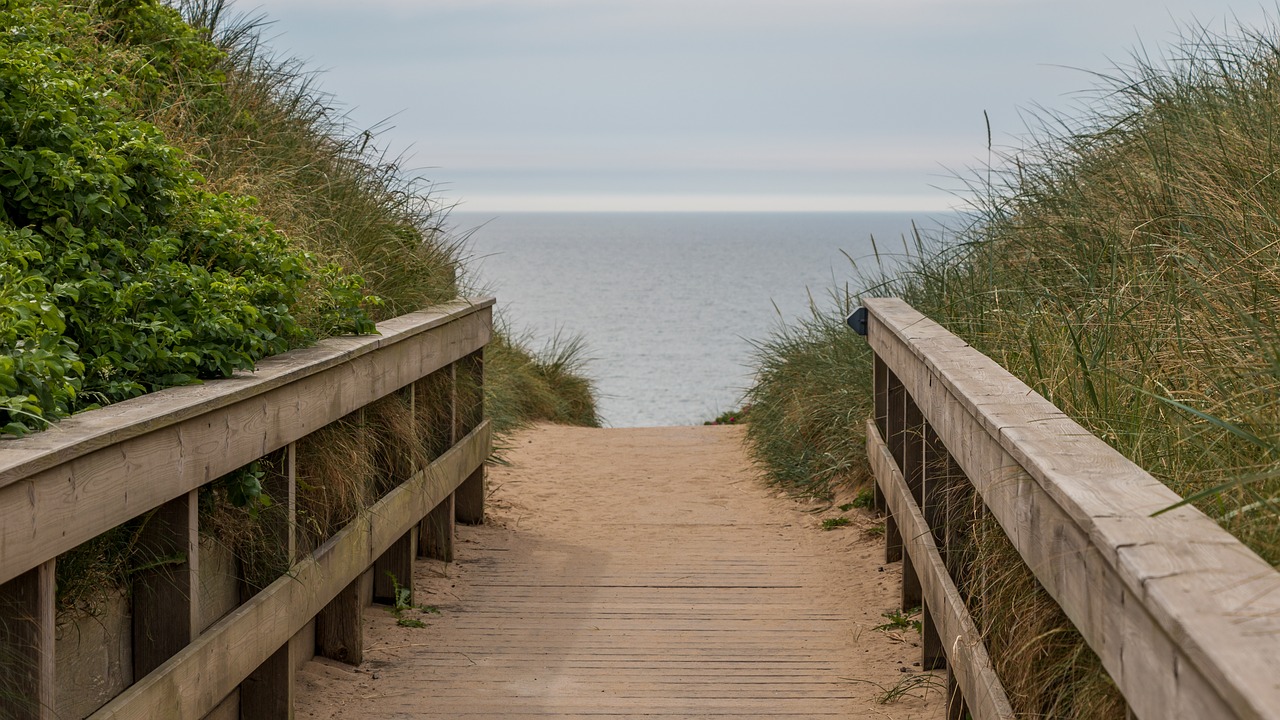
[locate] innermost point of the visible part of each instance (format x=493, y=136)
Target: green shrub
x=121, y=273
x=156, y=51
x=178, y=202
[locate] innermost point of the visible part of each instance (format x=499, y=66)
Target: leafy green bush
x=121, y=273
x=132, y=258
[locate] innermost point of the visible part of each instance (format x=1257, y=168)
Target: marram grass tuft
x=1124, y=262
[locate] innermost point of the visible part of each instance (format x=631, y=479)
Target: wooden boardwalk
x=635, y=573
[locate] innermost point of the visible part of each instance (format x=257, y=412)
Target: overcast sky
x=712, y=104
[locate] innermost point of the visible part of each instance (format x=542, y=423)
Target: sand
x=639, y=573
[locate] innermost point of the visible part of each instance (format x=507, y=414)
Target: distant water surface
x=668, y=302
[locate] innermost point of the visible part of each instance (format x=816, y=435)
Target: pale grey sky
x=712, y=104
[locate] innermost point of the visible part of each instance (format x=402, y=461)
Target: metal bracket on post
x=858, y=321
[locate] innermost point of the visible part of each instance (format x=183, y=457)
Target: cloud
x=718, y=14
x=600, y=101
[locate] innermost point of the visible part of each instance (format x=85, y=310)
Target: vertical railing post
x=956, y=506
x=454, y=410
x=935, y=466
x=267, y=694
x=435, y=408
x=340, y=626
x=291, y=477
x=469, y=385
x=26, y=645
x=281, y=518
x=957, y=709
x=880, y=393
x=912, y=463
x=895, y=431
x=165, y=603
x=393, y=571
x=938, y=481
x=469, y=500
x=437, y=543
x=268, y=691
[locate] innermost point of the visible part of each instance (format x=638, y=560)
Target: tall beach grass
x=256, y=124
x=1126, y=264
x=335, y=191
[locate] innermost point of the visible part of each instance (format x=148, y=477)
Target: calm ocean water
x=669, y=302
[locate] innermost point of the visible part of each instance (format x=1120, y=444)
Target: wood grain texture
x=635, y=573
x=436, y=532
x=393, y=570
x=94, y=656
x=27, y=645
x=228, y=709
x=194, y=681
x=468, y=500
x=95, y=477
x=340, y=626
x=267, y=694
x=166, y=595
x=1184, y=617
x=967, y=658
x=86, y=432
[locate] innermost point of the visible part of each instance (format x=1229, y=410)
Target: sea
x=671, y=306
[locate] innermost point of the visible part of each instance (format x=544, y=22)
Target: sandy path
x=637, y=573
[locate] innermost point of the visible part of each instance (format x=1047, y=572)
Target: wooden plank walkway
x=636, y=573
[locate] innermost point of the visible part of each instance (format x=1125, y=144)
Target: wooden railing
x=150, y=456
x=1184, y=617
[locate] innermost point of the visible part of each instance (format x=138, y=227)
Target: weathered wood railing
x=151, y=455
x=1184, y=617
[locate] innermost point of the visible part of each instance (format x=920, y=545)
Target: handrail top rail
x=1216, y=600
x=1029, y=427
x=82, y=434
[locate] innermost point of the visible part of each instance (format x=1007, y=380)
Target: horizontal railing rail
x=1182, y=615
x=150, y=456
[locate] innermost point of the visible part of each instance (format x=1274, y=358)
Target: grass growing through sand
x=923, y=682
x=404, y=603
x=1122, y=263
x=835, y=522
x=900, y=620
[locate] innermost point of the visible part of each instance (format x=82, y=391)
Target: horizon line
x=708, y=203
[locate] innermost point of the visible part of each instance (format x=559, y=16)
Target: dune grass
x=1124, y=264
x=332, y=189
x=549, y=385
x=326, y=183
x=257, y=128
